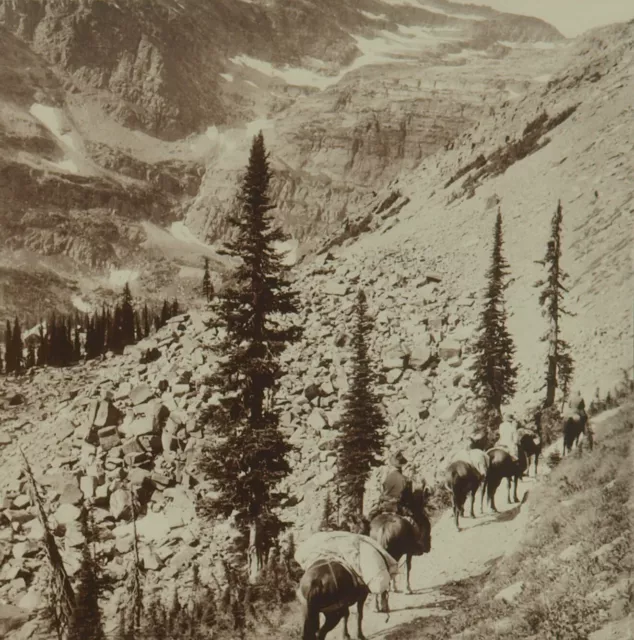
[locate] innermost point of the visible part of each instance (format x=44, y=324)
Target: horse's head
x=356, y=524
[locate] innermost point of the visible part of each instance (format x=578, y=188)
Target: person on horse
x=576, y=405
x=509, y=435
x=396, y=495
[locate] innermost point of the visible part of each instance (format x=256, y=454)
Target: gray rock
x=449, y=348
x=511, y=593
x=67, y=513
x=140, y=394
x=120, y=504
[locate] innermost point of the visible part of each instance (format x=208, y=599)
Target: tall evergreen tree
x=127, y=317
x=166, y=310
x=76, y=344
x=30, y=355
x=247, y=456
x=146, y=321
x=86, y=622
x=42, y=347
x=559, y=362
x=495, y=375
x=208, y=287
x=175, y=310
x=362, y=425
x=8, y=349
x=17, y=347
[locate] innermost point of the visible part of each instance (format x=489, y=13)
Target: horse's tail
x=311, y=610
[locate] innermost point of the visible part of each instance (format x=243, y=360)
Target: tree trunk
x=553, y=357
x=254, y=552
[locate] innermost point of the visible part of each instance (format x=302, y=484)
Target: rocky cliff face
x=117, y=113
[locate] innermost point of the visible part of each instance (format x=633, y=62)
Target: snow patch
x=291, y=75
x=119, y=277
x=55, y=121
x=290, y=248
x=67, y=165
x=80, y=304
x=181, y=232
x=373, y=16
x=226, y=76
x=528, y=45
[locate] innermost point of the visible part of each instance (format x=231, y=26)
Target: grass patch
x=575, y=561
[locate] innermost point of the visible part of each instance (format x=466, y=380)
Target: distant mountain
x=116, y=116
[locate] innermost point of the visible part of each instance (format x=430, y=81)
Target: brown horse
x=330, y=588
x=504, y=466
x=573, y=427
x=463, y=479
x=399, y=537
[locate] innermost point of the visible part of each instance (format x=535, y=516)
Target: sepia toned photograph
x=316, y=319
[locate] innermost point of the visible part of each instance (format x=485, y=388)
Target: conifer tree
x=494, y=380
x=165, y=313
x=42, y=347
x=362, y=426
x=30, y=355
x=76, y=345
x=17, y=347
x=246, y=457
x=86, y=623
x=175, y=310
x=146, y=321
x=208, y=288
x=8, y=349
x=127, y=317
x=328, y=515
x=1, y=362
x=559, y=362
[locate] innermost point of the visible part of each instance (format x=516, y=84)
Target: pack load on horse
x=362, y=555
x=508, y=438
x=575, y=422
x=467, y=472
x=340, y=569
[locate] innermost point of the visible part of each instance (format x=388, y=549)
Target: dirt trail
x=457, y=555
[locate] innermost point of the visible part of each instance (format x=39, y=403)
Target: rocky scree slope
x=132, y=420
x=571, y=140
x=116, y=117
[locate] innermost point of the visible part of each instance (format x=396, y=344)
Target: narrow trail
x=457, y=555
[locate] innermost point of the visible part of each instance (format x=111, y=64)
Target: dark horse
x=330, y=588
x=504, y=466
x=533, y=451
x=399, y=537
x=574, y=426
x=462, y=479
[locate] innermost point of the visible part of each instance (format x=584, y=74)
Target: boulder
x=420, y=356
x=107, y=414
x=336, y=289
x=318, y=419
x=449, y=348
x=140, y=394
x=511, y=593
x=67, y=513
x=395, y=357
x=120, y=506
x=71, y=495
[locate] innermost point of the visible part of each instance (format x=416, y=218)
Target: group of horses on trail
x=330, y=587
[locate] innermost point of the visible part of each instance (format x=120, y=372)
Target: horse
x=462, y=478
x=399, y=537
x=533, y=451
x=574, y=426
x=479, y=461
x=329, y=587
x=504, y=466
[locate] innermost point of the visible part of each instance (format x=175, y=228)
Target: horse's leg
x=508, y=490
x=536, y=461
x=492, y=486
x=346, y=617
x=408, y=565
x=332, y=620
x=515, y=498
x=483, y=489
x=360, y=604
x=311, y=622
x=473, y=492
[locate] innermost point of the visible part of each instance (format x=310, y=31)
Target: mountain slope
x=142, y=113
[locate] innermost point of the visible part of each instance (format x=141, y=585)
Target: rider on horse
x=396, y=496
x=509, y=435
